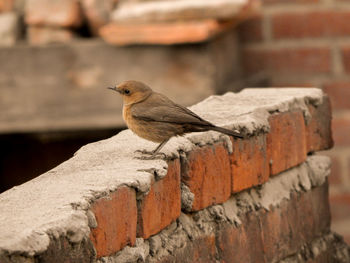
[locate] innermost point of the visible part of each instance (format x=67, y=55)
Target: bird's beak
x=114, y=88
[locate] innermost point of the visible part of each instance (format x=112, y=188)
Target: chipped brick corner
x=263, y=198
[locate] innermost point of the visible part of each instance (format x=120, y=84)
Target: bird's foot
x=144, y=152
x=149, y=155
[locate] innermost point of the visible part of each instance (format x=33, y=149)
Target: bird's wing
x=159, y=108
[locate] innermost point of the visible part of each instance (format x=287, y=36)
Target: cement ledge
x=250, y=109
x=55, y=204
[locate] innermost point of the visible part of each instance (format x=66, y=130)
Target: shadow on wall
x=24, y=156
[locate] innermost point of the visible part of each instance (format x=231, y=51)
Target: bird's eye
x=127, y=91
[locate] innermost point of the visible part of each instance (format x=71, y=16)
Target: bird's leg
x=154, y=152
x=160, y=146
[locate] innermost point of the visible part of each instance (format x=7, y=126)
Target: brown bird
x=156, y=118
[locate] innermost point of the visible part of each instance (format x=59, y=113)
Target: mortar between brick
x=190, y=227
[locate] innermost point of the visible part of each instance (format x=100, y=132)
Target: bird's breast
x=143, y=129
x=130, y=120
x=126, y=114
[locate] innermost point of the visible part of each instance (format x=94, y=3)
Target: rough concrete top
x=156, y=11
x=56, y=202
x=249, y=109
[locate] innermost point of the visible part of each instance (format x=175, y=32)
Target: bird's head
x=132, y=91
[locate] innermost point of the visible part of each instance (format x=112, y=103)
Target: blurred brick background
x=68, y=19
x=307, y=43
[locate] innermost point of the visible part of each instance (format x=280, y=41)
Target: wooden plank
x=162, y=33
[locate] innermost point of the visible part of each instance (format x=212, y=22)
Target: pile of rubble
x=119, y=22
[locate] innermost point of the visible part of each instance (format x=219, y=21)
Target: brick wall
x=43, y=22
x=307, y=43
x=210, y=198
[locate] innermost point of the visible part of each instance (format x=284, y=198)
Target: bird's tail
x=226, y=131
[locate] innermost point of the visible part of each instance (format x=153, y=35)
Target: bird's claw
x=149, y=155
x=146, y=157
x=144, y=152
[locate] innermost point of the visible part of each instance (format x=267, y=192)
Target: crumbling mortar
x=209, y=220
x=311, y=250
x=297, y=105
x=187, y=197
x=15, y=256
x=262, y=236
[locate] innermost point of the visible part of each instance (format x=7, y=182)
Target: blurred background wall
x=55, y=67
x=307, y=43
x=55, y=64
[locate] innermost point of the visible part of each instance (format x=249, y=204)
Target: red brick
x=162, y=204
x=243, y=243
x=287, y=60
x=249, y=11
x=251, y=30
x=286, y=141
x=310, y=24
x=339, y=93
x=96, y=13
x=201, y=249
x=38, y=35
x=275, y=225
x=320, y=208
x=318, y=130
x=341, y=130
x=60, y=13
x=282, y=2
x=340, y=207
x=7, y=5
x=346, y=58
x=276, y=233
x=162, y=33
x=249, y=163
x=116, y=217
x=335, y=178
x=207, y=173
x=294, y=222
